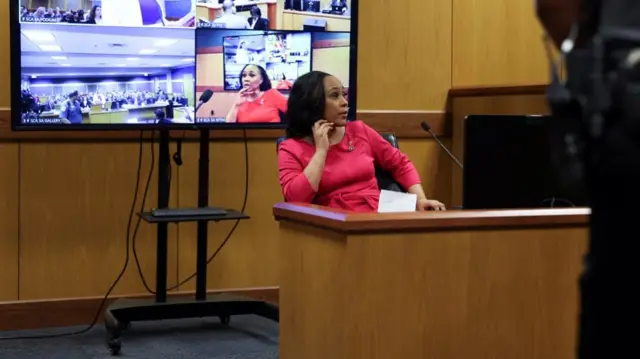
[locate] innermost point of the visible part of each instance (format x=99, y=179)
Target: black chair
x=385, y=179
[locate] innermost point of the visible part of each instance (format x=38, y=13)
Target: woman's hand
x=321, y=134
x=241, y=97
x=424, y=204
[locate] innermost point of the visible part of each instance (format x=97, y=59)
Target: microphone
x=425, y=126
x=204, y=98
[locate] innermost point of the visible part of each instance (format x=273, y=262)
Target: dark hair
x=160, y=115
x=73, y=93
x=306, y=104
x=92, y=13
x=255, y=11
x=266, y=82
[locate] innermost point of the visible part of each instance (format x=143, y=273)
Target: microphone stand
x=426, y=127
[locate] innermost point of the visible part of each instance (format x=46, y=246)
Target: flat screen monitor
x=136, y=64
x=284, y=55
x=264, y=61
x=508, y=164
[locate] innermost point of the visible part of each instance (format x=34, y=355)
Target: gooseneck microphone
x=425, y=126
x=204, y=98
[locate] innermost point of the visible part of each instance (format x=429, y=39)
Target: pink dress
x=348, y=180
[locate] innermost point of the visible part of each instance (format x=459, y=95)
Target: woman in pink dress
x=331, y=162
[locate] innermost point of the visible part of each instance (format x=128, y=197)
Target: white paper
x=391, y=201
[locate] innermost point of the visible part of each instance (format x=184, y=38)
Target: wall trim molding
x=39, y=314
x=500, y=90
x=404, y=124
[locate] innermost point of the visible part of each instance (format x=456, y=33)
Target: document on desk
x=391, y=202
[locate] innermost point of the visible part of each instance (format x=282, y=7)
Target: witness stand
x=429, y=285
x=122, y=312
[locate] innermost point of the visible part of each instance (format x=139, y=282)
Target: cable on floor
x=120, y=275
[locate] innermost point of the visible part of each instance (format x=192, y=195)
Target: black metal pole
x=203, y=201
x=164, y=161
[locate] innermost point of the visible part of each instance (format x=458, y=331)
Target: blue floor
x=247, y=337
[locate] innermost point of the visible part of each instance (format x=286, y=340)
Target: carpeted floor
x=247, y=337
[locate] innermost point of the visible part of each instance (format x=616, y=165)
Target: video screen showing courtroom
x=302, y=15
x=250, y=73
x=106, y=75
x=130, y=13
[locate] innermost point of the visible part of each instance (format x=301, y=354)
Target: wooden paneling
x=428, y=221
x=497, y=42
x=507, y=289
x=9, y=219
x=250, y=255
x=75, y=200
x=65, y=203
x=404, y=54
x=404, y=124
x=75, y=197
x=32, y=314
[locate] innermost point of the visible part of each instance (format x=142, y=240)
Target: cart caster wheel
x=225, y=319
x=115, y=346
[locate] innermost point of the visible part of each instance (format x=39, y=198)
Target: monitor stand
x=122, y=312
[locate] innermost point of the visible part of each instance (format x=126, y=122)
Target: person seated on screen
x=70, y=110
x=284, y=84
x=161, y=117
x=141, y=13
x=95, y=15
x=84, y=102
x=229, y=18
x=256, y=21
x=339, y=4
x=257, y=102
x=328, y=161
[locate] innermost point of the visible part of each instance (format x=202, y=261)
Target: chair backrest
x=385, y=179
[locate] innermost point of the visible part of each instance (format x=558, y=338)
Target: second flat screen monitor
x=239, y=65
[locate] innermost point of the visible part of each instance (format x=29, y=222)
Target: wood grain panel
x=497, y=42
x=407, y=124
x=428, y=221
x=9, y=217
x=404, y=124
x=75, y=201
x=318, y=254
x=463, y=294
x=444, y=292
x=496, y=105
x=64, y=312
x=250, y=256
x=404, y=54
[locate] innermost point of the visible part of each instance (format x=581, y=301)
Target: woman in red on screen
x=257, y=102
x=331, y=162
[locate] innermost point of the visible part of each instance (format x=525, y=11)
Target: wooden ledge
x=479, y=91
x=403, y=124
x=348, y=222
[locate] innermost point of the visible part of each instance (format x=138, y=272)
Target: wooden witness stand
x=429, y=285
